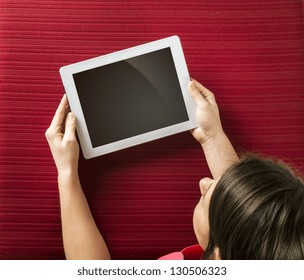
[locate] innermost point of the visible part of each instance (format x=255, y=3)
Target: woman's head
x=256, y=211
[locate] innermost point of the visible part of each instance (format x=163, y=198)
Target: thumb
x=70, y=127
x=196, y=93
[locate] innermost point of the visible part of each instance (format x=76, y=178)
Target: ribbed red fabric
x=249, y=53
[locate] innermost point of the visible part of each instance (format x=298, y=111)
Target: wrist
x=68, y=174
x=68, y=184
x=211, y=141
x=219, y=154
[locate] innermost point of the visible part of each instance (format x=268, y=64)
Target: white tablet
x=130, y=97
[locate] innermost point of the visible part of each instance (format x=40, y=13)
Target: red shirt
x=193, y=252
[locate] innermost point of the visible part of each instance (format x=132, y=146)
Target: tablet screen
x=131, y=97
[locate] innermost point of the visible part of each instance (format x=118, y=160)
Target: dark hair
x=257, y=212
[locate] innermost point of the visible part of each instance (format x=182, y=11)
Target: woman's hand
x=207, y=113
x=62, y=139
x=81, y=236
x=217, y=148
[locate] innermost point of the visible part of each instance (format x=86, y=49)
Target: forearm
x=81, y=237
x=219, y=154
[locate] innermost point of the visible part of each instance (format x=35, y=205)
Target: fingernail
x=193, y=85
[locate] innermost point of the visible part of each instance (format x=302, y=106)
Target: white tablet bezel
x=67, y=72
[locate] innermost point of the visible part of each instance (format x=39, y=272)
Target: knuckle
x=69, y=141
x=48, y=133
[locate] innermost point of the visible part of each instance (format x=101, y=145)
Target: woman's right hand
x=207, y=113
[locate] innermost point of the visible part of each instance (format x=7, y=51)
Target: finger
x=195, y=93
x=199, y=89
x=70, y=127
x=60, y=113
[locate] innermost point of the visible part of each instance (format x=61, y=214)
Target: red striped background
x=249, y=53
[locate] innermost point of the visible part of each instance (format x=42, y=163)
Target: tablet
x=130, y=97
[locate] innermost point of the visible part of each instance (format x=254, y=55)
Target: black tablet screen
x=130, y=97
